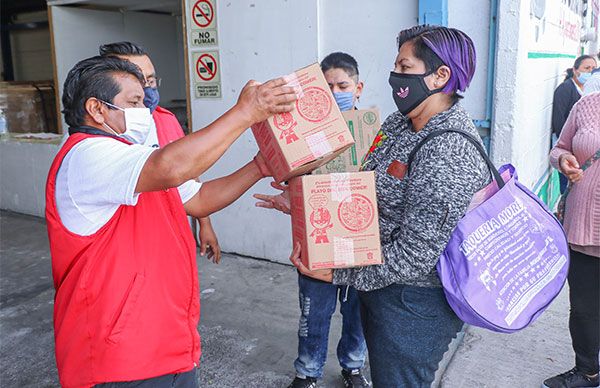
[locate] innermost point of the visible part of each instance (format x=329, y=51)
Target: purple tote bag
x=507, y=258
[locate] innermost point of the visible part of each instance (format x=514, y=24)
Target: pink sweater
x=580, y=136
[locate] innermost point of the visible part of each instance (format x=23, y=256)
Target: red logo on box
x=285, y=123
x=315, y=105
x=356, y=212
x=320, y=218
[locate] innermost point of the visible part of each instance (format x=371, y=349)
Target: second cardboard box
x=364, y=124
x=335, y=219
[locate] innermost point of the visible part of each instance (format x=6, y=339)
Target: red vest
x=127, y=303
x=167, y=127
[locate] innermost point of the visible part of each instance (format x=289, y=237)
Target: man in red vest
x=165, y=129
x=127, y=306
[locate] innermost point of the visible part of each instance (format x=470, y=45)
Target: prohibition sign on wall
x=207, y=74
x=203, y=13
x=206, y=67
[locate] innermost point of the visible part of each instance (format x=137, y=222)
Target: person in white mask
x=127, y=306
x=138, y=122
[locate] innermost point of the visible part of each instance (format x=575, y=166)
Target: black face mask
x=409, y=90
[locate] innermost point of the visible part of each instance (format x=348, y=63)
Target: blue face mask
x=583, y=77
x=151, y=98
x=345, y=100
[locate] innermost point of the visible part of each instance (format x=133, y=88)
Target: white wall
x=540, y=77
x=473, y=18
x=23, y=170
x=367, y=31
x=529, y=65
x=266, y=39
x=509, y=43
x=591, y=27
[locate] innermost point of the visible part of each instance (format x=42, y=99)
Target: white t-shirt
x=152, y=139
x=579, y=90
x=97, y=176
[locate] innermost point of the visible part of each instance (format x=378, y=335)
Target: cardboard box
x=306, y=138
x=364, y=124
x=335, y=219
x=29, y=107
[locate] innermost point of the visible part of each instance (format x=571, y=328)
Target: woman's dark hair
x=342, y=61
x=93, y=77
x=569, y=71
x=437, y=46
x=121, y=48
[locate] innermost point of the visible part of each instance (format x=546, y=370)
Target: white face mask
x=138, y=122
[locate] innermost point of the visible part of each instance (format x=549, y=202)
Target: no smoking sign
x=207, y=74
x=203, y=15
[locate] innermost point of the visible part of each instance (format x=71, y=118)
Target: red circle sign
x=203, y=13
x=206, y=67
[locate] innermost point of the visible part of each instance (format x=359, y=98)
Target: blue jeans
x=407, y=330
x=317, y=305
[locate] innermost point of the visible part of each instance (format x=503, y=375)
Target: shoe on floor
x=355, y=379
x=571, y=379
x=309, y=382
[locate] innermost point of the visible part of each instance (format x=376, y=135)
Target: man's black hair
x=342, y=61
x=93, y=77
x=121, y=48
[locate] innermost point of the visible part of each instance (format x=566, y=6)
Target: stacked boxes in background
x=364, y=124
x=28, y=106
x=335, y=219
x=306, y=138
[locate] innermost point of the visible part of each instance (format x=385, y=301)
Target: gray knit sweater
x=418, y=213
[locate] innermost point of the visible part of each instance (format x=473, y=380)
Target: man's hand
x=570, y=167
x=324, y=275
x=208, y=241
x=262, y=165
x=261, y=101
x=280, y=202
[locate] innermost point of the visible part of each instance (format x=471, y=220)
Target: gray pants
x=177, y=380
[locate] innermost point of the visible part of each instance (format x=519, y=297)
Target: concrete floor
x=520, y=360
x=248, y=326
x=249, y=316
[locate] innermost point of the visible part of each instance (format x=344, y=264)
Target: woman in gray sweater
x=406, y=319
